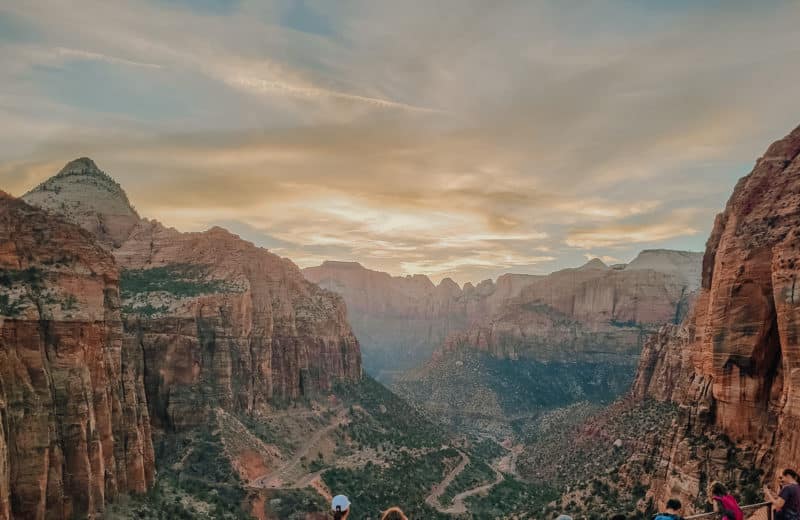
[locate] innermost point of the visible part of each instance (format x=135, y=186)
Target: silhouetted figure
x=672, y=511
x=394, y=513
x=724, y=503
x=787, y=503
x=340, y=506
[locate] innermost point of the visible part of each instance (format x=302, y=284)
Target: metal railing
x=760, y=511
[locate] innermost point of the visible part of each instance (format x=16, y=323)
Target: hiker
x=724, y=502
x=619, y=516
x=672, y=512
x=340, y=507
x=394, y=513
x=564, y=517
x=787, y=503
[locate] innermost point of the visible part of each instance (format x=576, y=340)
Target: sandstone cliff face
x=75, y=429
x=242, y=329
x=592, y=313
x=734, y=365
x=218, y=321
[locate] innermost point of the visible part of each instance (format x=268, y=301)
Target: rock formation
x=402, y=320
x=219, y=321
x=90, y=198
x=590, y=313
x=75, y=429
x=733, y=366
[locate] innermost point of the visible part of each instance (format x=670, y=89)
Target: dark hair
x=674, y=504
x=619, y=517
x=339, y=514
x=718, y=489
x=788, y=472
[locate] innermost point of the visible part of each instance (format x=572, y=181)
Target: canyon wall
x=591, y=313
x=733, y=366
x=602, y=311
x=75, y=426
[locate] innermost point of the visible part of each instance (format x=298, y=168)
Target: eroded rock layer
x=75, y=427
x=733, y=367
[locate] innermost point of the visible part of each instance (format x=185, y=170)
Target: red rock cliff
x=75, y=427
x=218, y=321
x=734, y=365
x=244, y=330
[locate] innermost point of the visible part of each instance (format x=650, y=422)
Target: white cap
x=340, y=502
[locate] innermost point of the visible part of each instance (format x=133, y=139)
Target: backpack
x=729, y=508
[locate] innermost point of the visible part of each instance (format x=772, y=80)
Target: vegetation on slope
x=181, y=280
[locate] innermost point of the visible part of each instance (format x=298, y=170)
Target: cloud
x=447, y=138
x=262, y=86
x=88, y=55
x=625, y=235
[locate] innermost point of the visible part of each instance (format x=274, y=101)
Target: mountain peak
x=81, y=165
x=89, y=197
x=593, y=264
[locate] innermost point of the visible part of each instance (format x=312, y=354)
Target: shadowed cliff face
x=75, y=426
x=401, y=320
x=734, y=365
x=218, y=321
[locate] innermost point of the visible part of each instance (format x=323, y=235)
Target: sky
x=458, y=139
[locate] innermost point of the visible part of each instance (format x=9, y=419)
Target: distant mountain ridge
x=402, y=320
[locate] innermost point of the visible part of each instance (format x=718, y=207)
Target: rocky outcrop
x=217, y=320
x=733, y=367
x=90, y=198
x=75, y=430
x=591, y=313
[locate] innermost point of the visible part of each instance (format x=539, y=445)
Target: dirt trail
x=506, y=464
x=437, y=491
x=276, y=479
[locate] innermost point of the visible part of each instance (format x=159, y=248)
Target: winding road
x=507, y=463
x=437, y=491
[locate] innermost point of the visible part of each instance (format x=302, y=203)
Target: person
x=787, y=502
x=672, y=511
x=619, y=516
x=394, y=513
x=340, y=506
x=724, y=503
x=564, y=517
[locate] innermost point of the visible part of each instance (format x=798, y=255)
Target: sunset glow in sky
x=454, y=138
